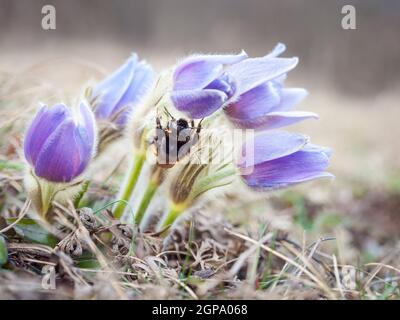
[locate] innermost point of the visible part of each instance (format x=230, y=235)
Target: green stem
x=147, y=197
x=174, y=212
x=47, y=191
x=130, y=183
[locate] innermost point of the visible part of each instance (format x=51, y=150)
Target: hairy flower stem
x=147, y=197
x=156, y=179
x=47, y=191
x=130, y=183
x=175, y=211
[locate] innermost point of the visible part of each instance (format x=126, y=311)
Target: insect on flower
x=173, y=142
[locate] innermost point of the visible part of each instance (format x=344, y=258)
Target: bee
x=173, y=142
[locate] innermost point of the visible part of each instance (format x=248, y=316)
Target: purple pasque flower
x=115, y=97
x=60, y=142
x=201, y=85
x=278, y=159
x=263, y=101
x=205, y=83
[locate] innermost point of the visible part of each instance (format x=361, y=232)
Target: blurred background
x=362, y=61
x=353, y=77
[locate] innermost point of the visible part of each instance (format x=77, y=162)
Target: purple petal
x=110, y=91
x=309, y=147
x=196, y=72
x=142, y=79
x=88, y=124
x=266, y=184
x=45, y=122
x=270, y=145
x=65, y=154
x=295, y=168
x=278, y=50
x=197, y=104
x=251, y=73
x=290, y=97
x=274, y=120
x=255, y=103
x=224, y=83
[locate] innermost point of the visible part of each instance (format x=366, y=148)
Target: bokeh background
x=353, y=77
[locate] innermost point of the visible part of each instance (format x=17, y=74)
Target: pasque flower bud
x=116, y=96
x=58, y=146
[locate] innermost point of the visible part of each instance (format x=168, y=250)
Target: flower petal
x=65, y=154
x=315, y=148
x=278, y=50
x=274, y=120
x=88, y=124
x=45, y=122
x=295, y=168
x=290, y=97
x=265, y=184
x=198, y=71
x=141, y=81
x=250, y=73
x=197, y=104
x=270, y=145
x=110, y=91
x=224, y=83
x=255, y=102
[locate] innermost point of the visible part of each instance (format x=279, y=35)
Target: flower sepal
x=43, y=193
